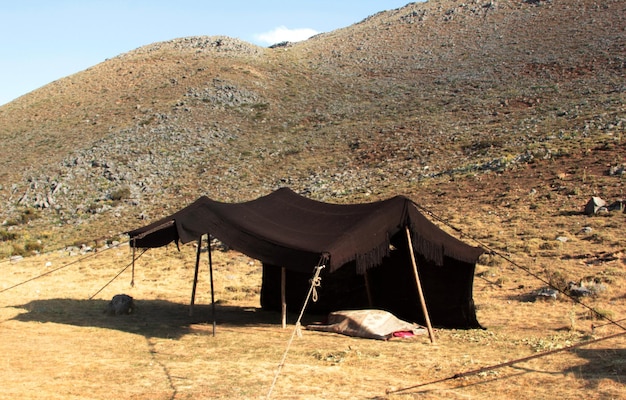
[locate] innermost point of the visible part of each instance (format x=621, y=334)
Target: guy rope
x=315, y=282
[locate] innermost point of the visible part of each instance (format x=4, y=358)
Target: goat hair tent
x=363, y=246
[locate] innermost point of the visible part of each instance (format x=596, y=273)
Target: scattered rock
x=578, y=291
x=595, y=205
x=619, y=205
x=584, y=289
x=617, y=170
x=121, y=304
x=546, y=294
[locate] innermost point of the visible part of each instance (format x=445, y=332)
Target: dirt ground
x=57, y=343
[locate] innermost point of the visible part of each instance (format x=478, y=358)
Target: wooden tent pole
x=195, y=277
x=419, y=287
x=132, y=279
x=283, y=296
x=208, y=238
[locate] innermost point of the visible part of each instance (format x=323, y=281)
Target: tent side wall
x=339, y=290
x=447, y=290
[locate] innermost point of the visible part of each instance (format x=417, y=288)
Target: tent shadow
x=151, y=318
x=601, y=364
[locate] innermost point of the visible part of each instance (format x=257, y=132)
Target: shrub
x=29, y=214
x=26, y=215
x=490, y=260
x=548, y=245
x=18, y=250
x=120, y=194
x=556, y=279
x=6, y=236
x=33, y=246
x=600, y=314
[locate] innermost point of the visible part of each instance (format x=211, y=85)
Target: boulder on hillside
x=595, y=205
x=619, y=205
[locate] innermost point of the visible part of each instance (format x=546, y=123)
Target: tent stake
x=195, y=277
x=419, y=287
x=208, y=239
x=283, y=296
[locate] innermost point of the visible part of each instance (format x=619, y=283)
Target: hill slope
x=431, y=94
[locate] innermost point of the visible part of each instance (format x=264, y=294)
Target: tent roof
x=292, y=231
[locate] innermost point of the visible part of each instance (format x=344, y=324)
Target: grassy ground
x=58, y=343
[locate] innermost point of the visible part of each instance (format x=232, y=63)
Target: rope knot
x=315, y=283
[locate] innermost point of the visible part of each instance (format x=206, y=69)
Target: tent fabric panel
x=340, y=290
x=284, y=228
x=162, y=231
x=435, y=244
x=285, y=224
x=242, y=227
x=450, y=293
x=162, y=235
x=447, y=290
x=276, y=219
x=343, y=231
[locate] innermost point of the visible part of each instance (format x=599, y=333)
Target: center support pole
x=419, y=287
x=208, y=239
x=283, y=296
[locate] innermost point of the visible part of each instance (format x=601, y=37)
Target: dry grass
x=57, y=343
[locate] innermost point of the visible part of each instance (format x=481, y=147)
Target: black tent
x=365, y=247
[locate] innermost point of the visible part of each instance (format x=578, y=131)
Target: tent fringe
x=430, y=250
x=448, y=252
x=372, y=258
x=436, y=252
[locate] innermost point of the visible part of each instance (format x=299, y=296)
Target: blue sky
x=44, y=40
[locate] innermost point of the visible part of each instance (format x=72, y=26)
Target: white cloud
x=283, y=34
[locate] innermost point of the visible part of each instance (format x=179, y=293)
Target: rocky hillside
x=437, y=93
